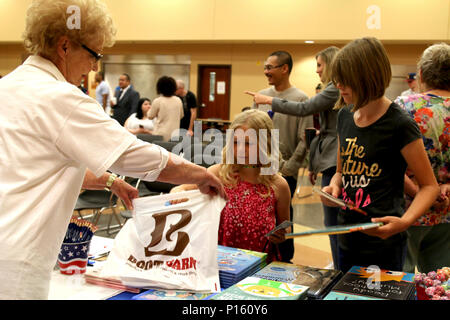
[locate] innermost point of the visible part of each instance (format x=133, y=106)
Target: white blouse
x=134, y=123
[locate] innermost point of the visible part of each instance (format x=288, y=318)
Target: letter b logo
x=157, y=234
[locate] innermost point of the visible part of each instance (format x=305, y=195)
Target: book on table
x=161, y=294
x=253, y=288
x=373, y=283
x=236, y=264
x=318, y=280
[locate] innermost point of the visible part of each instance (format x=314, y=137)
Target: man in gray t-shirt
x=277, y=69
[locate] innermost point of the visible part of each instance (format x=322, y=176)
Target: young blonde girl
x=257, y=202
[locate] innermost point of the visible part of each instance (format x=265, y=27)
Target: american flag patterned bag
x=169, y=246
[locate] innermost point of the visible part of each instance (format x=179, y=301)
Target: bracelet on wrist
x=110, y=181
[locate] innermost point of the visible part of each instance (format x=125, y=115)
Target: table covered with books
x=159, y=254
x=245, y=275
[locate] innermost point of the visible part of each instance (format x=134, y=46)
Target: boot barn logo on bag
x=157, y=235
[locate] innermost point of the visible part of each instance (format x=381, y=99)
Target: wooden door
x=214, y=83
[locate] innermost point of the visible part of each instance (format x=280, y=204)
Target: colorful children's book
x=160, y=294
x=375, y=283
x=253, y=288
x=235, y=261
x=318, y=280
x=236, y=264
x=336, y=229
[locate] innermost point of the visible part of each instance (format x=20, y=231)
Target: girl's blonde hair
x=47, y=21
x=362, y=65
x=327, y=56
x=252, y=119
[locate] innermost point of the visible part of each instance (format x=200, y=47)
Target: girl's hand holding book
x=392, y=225
x=332, y=190
x=278, y=236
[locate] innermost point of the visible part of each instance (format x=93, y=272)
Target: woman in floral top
x=429, y=237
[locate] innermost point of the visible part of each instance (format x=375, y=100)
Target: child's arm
x=283, y=196
x=183, y=187
x=417, y=159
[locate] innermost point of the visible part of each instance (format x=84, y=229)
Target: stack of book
x=237, y=264
x=318, y=280
x=369, y=283
x=253, y=288
x=161, y=294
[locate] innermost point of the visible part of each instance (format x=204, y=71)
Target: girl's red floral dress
x=247, y=217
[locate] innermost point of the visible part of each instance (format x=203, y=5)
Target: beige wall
x=261, y=20
x=242, y=33
x=246, y=62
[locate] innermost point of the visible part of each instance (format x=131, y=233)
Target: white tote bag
x=169, y=246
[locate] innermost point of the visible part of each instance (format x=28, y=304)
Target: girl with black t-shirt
x=377, y=141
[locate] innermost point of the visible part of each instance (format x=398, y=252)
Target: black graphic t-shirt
x=373, y=167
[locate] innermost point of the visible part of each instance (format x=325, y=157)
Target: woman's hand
x=125, y=192
x=312, y=177
x=443, y=200
x=260, y=98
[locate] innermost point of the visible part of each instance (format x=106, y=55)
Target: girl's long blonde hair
x=256, y=120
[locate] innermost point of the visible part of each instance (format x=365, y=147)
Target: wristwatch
x=110, y=181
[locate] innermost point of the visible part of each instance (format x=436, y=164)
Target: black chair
x=98, y=201
x=149, y=137
x=202, y=158
x=157, y=187
x=143, y=192
x=168, y=145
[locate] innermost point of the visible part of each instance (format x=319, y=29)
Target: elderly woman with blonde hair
x=50, y=133
x=429, y=236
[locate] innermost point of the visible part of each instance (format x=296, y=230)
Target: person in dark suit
x=126, y=100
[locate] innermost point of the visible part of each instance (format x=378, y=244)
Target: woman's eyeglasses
x=97, y=56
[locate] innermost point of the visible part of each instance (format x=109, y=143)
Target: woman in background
x=323, y=149
x=167, y=109
x=139, y=122
x=429, y=236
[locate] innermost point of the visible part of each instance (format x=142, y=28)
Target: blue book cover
x=236, y=261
